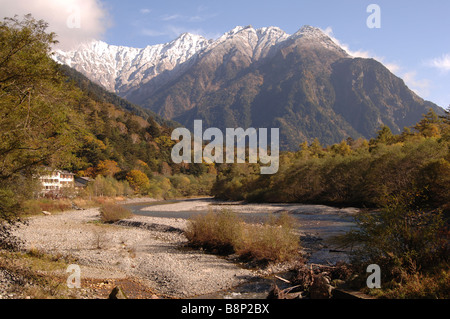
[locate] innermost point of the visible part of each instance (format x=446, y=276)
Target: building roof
x=82, y=181
x=48, y=169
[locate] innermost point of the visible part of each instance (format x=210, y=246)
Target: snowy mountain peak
x=308, y=30
x=316, y=36
x=122, y=69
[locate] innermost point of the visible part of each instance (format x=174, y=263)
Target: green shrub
x=410, y=245
x=108, y=187
x=401, y=235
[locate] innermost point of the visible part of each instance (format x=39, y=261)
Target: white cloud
x=170, y=17
x=420, y=87
x=196, y=19
x=202, y=8
x=74, y=21
x=442, y=63
x=358, y=54
x=145, y=11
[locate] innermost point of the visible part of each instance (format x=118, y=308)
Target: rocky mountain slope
x=305, y=83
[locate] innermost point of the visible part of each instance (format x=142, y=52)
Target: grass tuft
x=225, y=233
x=111, y=213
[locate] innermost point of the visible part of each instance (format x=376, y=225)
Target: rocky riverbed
x=149, y=253
x=317, y=224
x=146, y=249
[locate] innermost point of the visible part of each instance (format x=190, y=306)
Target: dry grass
x=215, y=232
x=35, y=274
x=432, y=285
x=37, y=206
x=226, y=233
x=111, y=213
x=273, y=241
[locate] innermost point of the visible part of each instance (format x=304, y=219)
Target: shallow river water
x=317, y=225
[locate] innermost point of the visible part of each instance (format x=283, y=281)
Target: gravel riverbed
x=147, y=249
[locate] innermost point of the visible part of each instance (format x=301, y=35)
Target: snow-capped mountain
x=304, y=83
x=122, y=69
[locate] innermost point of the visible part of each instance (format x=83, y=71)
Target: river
x=314, y=220
x=317, y=224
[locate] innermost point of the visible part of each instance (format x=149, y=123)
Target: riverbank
x=208, y=203
x=148, y=254
x=317, y=224
x=137, y=250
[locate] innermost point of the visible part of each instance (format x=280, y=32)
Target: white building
x=56, y=181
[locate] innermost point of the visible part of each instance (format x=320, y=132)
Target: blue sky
x=413, y=40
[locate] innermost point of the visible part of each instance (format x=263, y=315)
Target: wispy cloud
x=152, y=33
x=202, y=8
x=419, y=86
x=175, y=24
x=442, y=63
x=196, y=19
x=360, y=53
x=200, y=17
x=145, y=11
x=171, y=17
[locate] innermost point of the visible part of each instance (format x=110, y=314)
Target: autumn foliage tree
x=138, y=181
x=37, y=125
x=108, y=168
x=354, y=172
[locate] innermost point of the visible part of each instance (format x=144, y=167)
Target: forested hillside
x=366, y=173
x=52, y=116
x=98, y=93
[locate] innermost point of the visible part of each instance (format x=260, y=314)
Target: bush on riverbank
x=111, y=213
x=410, y=245
x=273, y=241
x=226, y=233
x=215, y=232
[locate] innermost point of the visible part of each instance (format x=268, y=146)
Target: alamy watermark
x=374, y=280
x=74, y=19
x=236, y=146
x=74, y=279
x=374, y=19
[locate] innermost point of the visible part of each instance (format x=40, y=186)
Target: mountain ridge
x=128, y=60
x=304, y=83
